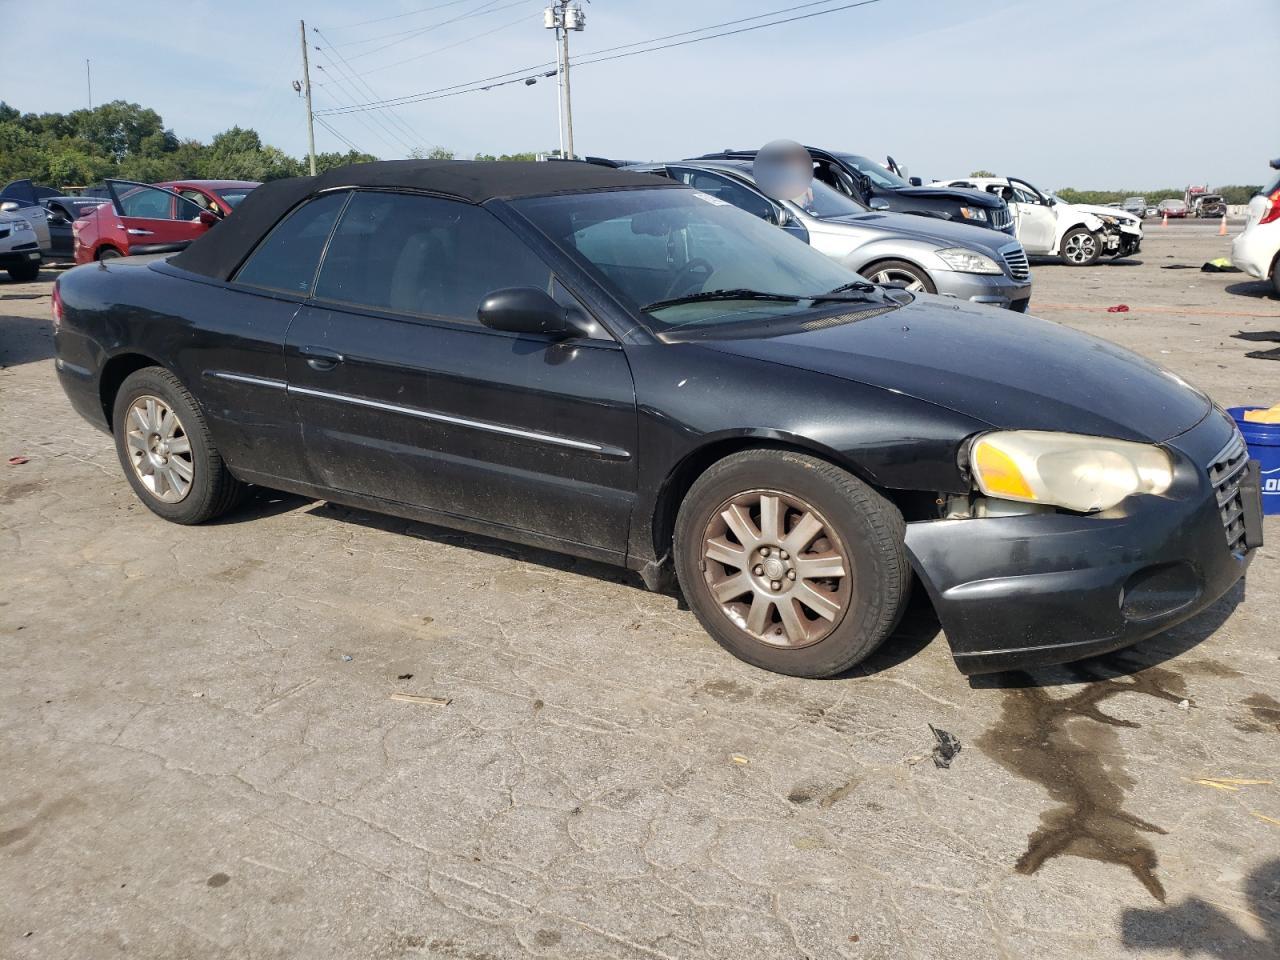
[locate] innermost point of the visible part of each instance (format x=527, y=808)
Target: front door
x=1036, y=223
x=155, y=220
x=404, y=396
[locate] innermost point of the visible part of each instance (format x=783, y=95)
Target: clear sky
x=1091, y=94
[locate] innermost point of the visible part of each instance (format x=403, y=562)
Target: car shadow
x=478, y=542
x=261, y=503
x=24, y=340
x=1151, y=652
x=1196, y=928
x=1257, y=289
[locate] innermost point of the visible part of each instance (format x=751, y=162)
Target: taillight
x=1273, y=211
x=56, y=305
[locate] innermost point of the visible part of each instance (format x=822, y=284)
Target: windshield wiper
x=737, y=293
x=862, y=286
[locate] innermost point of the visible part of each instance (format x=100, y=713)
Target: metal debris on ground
x=1119, y=308
x=347, y=658
x=414, y=698
x=17, y=461
x=1184, y=704
x=945, y=750
x=405, y=676
x=739, y=759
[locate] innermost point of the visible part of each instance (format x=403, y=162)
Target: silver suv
x=19, y=247
x=919, y=253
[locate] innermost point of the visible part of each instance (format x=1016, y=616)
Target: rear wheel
x=166, y=451
x=1080, y=248
x=899, y=272
x=24, y=272
x=791, y=563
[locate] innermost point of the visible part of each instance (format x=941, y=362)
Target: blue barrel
x=1263, y=440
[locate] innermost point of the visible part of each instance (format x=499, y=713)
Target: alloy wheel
x=1081, y=248
x=777, y=569
x=893, y=275
x=159, y=449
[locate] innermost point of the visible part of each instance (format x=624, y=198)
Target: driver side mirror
x=527, y=310
x=878, y=203
x=208, y=218
x=916, y=182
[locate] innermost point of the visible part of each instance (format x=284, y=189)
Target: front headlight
x=974, y=213
x=21, y=226
x=1067, y=469
x=968, y=261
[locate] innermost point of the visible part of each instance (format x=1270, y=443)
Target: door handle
x=135, y=232
x=321, y=358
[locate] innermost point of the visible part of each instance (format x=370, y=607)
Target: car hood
x=974, y=198
x=1008, y=370
x=1123, y=216
x=946, y=233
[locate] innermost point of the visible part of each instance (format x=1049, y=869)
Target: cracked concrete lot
x=200, y=756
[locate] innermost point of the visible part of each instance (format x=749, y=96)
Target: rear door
x=404, y=396
x=155, y=220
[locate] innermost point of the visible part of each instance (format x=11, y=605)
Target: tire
x=1275, y=276
x=108, y=253
x=917, y=279
x=858, y=532
x=179, y=473
x=1080, y=248
x=24, y=273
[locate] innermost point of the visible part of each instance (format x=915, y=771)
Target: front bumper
x=17, y=258
x=996, y=290
x=1037, y=589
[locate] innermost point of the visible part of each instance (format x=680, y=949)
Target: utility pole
x=306, y=88
x=562, y=18
x=88, y=79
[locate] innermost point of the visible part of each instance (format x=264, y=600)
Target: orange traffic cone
x=1165, y=221
x=1222, y=230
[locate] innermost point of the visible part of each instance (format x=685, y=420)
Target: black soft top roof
x=221, y=250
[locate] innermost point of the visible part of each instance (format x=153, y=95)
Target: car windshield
x=652, y=246
x=233, y=197
x=873, y=171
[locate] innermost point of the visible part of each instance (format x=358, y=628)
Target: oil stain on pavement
x=1069, y=746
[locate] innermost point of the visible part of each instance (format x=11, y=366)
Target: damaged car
x=627, y=369
x=1047, y=226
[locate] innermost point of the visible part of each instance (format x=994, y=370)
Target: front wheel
x=109, y=253
x=791, y=563
x=166, y=452
x=1080, y=248
x=24, y=272
x=900, y=273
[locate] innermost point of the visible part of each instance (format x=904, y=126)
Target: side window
x=199, y=199
x=288, y=258
x=149, y=203
x=722, y=188
x=424, y=256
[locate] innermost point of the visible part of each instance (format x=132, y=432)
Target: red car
x=161, y=218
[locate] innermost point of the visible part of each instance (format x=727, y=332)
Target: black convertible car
x=585, y=359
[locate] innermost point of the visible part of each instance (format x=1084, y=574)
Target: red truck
x=140, y=218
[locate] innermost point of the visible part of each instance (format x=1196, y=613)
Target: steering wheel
x=695, y=267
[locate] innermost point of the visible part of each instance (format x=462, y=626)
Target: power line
x=416, y=31
x=484, y=9
x=449, y=46
x=346, y=68
x=321, y=121
x=383, y=132
x=401, y=16
x=499, y=80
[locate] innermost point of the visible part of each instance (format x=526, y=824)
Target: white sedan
x=1257, y=250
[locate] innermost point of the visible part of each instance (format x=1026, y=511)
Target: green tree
x=983, y=173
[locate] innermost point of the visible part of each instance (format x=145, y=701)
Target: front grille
x=1225, y=473
x=1001, y=219
x=1015, y=258
x=4, y=232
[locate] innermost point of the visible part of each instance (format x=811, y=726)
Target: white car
x=19, y=248
x=1257, y=250
x=1046, y=226
x=34, y=214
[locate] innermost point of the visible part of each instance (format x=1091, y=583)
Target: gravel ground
x=202, y=758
